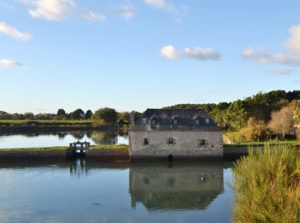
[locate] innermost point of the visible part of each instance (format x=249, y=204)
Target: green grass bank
x=267, y=185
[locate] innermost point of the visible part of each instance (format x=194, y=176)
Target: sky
x=138, y=54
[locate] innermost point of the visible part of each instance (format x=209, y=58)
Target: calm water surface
x=59, y=139
x=81, y=191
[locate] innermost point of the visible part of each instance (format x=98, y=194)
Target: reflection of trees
x=180, y=187
x=78, y=135
x=62, y=135
x=101, y=138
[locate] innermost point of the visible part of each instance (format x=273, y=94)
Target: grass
x=64, y=148
x=45, y=122
x=35, y=149
x=110, y=147
x=265, y=143
x=267, y=185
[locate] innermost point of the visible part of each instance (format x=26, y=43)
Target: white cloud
x=13, y=32
x=51, y=10
x=170, y=52
x=202, y=53
x=263, y=56
x=126, y=11
x=156, y=3
x=282, y=71
x=94, y=17
x=178, y=10
x=292, y=44
x=9, y=63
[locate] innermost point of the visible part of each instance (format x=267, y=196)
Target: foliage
x=110, y=147
x=123, y=117
x=105, y=116
x=267, y=186
x=88, y=114
x=282, y=122
x=77, y=114
x=61, y=112
x=44, y=122
x=236, y=115
x=255, y=130
x=259, y=106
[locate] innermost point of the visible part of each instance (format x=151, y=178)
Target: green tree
x=123, y=117
x=105, y=116
x=77, y=114
x=88, y=114
x=236, y=116
x=61, y=112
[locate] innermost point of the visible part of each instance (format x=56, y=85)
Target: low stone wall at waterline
x=114, y=155
x=111, y=155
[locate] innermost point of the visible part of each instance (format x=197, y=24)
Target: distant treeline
x=102, y=116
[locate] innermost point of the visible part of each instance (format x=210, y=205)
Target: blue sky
x=131, y=55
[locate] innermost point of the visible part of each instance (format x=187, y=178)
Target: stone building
x=174, y=133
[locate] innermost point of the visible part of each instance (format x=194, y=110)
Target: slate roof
x=173, y=119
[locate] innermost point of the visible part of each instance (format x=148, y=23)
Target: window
x=175, y=121
x=153, y=122
x=146, y=141
x=197, y=121
x=207, y=120
x=202, y=142
x=171, y=141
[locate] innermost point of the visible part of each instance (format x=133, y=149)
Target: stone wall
x=186, y=144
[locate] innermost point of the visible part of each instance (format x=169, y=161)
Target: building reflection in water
x=79, y=168
x=175, y=188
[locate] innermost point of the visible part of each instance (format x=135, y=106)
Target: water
x=59, y=139
x=92, y=192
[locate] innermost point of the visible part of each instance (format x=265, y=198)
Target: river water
x=80, y=191
x=59, y=139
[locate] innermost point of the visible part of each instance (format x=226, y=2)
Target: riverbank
x=112, y=153
x=25, y=126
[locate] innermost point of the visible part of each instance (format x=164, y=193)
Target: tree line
x=259, y=117
x=103, y=116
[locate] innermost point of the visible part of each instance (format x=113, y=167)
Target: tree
x=61, y=112
x=236, y=115
x=123, y=117
x=282, y=122
x=105, y=116
x=255, y=130
x=88, y=114
x=77, y=114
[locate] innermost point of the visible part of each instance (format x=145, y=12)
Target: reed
x=267, y=184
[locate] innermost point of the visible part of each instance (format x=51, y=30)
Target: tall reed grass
x=267, y=184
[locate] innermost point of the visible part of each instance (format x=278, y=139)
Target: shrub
x=255, y=130
x=267, y=186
